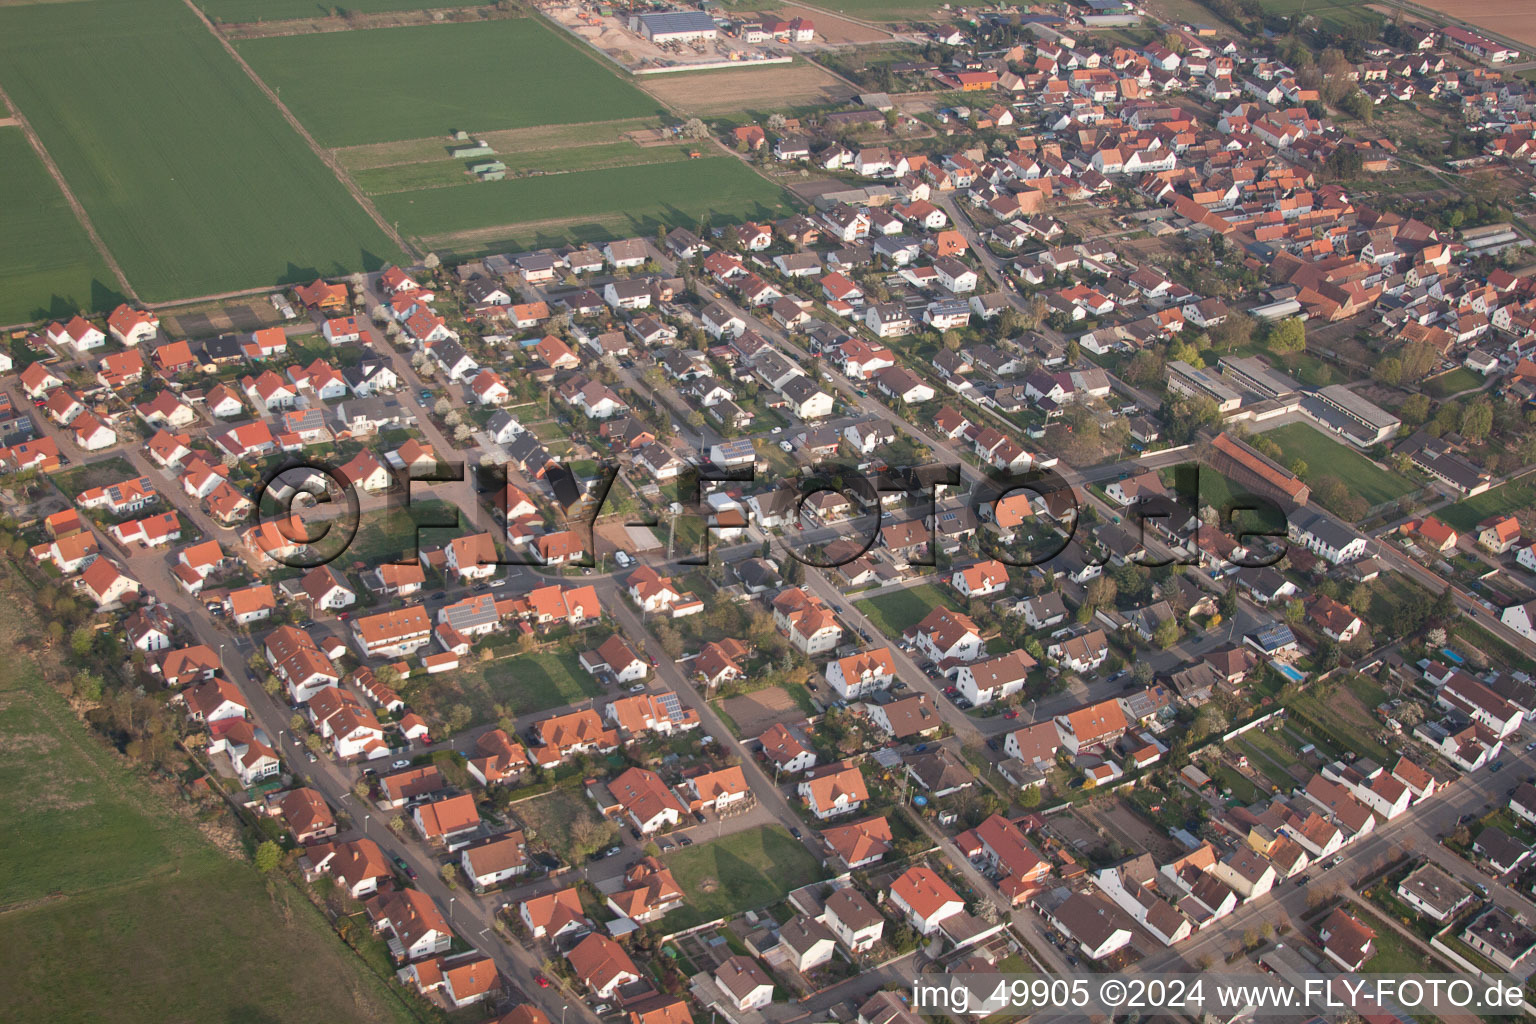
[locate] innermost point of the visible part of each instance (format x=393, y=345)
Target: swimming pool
x=1290, y=672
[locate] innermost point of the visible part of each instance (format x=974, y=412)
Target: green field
x=1326, y=457
x=893, y=612
x=388, y=533
x=586, y=205
x=350, y=88
x=435, y=173
x=744, y=871
x=193, y=179
x=284, y=10
x=1329, y=15
x=48, y=266
x=117, y=910
x=524, y=683
x=1452, y=383
x=1516, y=496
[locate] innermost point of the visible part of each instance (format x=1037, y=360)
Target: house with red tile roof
x=416, y=928
x=924, y=899
x=601, y=965
x=834, y=789
x=859, y=843
x=554, y=915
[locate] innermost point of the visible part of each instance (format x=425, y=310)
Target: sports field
x=114, y=908
x=284, y=10
x=48, y=267
x=1326, y=457
x=193, y=179
x=350, y=88
x=583, y=205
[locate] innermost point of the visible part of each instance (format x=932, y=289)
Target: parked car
x=795, y=832
x=400, y=764
x=622, y=557
x=685, y=841
x=1010, y=715
x=541, y=981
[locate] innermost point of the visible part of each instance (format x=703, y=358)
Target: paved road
x=1415, y=831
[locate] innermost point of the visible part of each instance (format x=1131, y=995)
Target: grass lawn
x=1454, y=382
x=119, y=911
x=592, y=205
x=1267, y=758
x=1342, y=718
x=534, y=682
x=347, y=87
x=892, y=613
x=386, y=533
x=1222, y=494
x=524, y=683
x=235, y=11
x=1394, y=953
x=194, y=180
x=1513, y=496
x=71, y=482
x=1243, y=790
x=1325, y=457
x=48, y=266
x=739, y=872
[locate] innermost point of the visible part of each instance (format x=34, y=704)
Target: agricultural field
x=1517, y=21
x=48, y=266
x=1326, y=457
x=442, y=173
x=118, y=910
x=348, y=89
x=593, y=205
x=729, y=90
x=235, y=11
x=742, y=871
x=195, y=182
x=887, y=10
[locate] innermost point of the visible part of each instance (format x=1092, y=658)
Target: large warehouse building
x=674, y=26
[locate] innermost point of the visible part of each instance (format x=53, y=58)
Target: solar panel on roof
x=671, y=705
